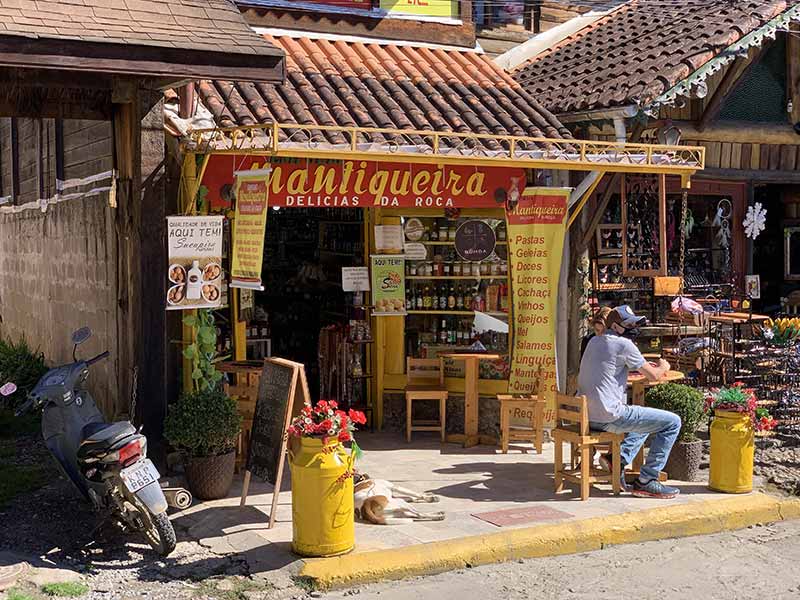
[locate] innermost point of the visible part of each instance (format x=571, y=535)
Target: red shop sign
x=302, y=183
x=363, y=4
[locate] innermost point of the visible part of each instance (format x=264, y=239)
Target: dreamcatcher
x=644, y=228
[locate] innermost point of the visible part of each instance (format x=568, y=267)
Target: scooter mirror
x=8, y=389
x=81, y=335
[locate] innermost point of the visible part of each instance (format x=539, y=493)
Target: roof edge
x=695, y=83
x=139, y=59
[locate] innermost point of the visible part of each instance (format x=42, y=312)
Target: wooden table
x=639, y=384
x=471, y=360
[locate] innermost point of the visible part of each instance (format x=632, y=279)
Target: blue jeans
x=638, y=422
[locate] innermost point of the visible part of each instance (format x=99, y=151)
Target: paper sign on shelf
x=389, y=238
x=355, y=279
x=249, y=228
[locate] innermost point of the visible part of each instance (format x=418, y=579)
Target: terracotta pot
x=210, y=477
x=684, y=461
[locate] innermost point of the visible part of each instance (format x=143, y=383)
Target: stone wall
x=57, y=273
x=394, y=413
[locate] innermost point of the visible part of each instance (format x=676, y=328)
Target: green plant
x=684, y=401
x=68, y=589
x=204, y=423
x=16, y=593
x=203, y=350
x=22, y=365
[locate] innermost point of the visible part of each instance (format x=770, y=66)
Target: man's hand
x=653, y=372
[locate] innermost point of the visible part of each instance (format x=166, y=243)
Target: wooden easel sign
x=282, y=392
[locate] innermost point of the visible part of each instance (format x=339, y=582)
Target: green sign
x=388, y=285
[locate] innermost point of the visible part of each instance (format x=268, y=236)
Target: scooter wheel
x=161, y=535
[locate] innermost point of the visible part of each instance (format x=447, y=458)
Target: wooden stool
x=534, y=433
x=425, y=377
x=582, y=441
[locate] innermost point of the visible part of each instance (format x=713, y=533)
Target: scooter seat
x=104, y=435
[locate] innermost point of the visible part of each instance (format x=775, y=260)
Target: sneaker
x=606, y=464
x=654, y=489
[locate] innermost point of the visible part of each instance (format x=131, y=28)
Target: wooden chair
x=573, y=416
x=791, y=305
x=520, y=405
x=425, y=381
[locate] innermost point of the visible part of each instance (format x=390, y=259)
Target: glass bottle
x=459, y=298
x=427, y=299
x=451, y=298
x=409, y=299
x=443, y=297
x=443, y=335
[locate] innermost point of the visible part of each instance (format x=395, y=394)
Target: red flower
x=738, y=384
x=326, y=424
x=333, y=404
x=357, y=417
x=344, y=436
x=322, y=406
x=306, y=411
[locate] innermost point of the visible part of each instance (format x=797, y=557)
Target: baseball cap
x=624, y=315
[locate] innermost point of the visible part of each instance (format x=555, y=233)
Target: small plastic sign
x=389, y=238
x=8, y=389
x=415, y=251
x=355, y=279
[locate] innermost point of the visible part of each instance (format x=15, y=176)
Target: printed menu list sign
x=249, y=228
x=536, y=227
x=194, y=265
x=388, y=285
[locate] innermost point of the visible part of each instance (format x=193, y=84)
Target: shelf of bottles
x=444, y=291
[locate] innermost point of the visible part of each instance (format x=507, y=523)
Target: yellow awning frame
x=447, y=148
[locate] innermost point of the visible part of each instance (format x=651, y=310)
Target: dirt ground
x=755, y=563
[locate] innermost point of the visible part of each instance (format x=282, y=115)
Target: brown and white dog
x=382, y=502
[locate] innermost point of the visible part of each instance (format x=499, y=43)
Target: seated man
x=603, y=380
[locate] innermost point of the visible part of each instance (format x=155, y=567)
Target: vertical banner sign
x=249, y=228
x=388, y=285
x=194, y=262
x=536, y=229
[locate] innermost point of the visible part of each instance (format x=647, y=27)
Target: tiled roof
x=640, y=51
x=204, y=25
x=363, y=84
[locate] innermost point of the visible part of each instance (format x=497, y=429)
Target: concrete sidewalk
x=482, y=492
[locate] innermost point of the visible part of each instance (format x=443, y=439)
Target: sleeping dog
x=381, y=502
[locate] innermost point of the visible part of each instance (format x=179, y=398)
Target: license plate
x=141, y=474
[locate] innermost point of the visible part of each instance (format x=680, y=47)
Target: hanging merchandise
x=755, y=221
x=723, y=221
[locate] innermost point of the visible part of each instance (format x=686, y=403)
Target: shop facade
x=414, y=151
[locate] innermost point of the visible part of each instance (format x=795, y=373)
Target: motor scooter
x=107, y=462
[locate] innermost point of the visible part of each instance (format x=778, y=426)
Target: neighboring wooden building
x=727, y=76
x=84, y=183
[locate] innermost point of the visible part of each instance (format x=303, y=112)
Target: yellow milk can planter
x=323, y=522
x=732, y=449
x=736, y=419
x=323, y=516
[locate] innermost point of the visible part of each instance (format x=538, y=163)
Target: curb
x=680, y=520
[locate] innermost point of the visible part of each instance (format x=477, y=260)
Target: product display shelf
x=456, y=277
x=454, y=312
x=452, y=243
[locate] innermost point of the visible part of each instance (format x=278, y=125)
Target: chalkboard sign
x=475, y=240
x=282, y=391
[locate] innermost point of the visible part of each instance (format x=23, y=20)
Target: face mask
x=631, y=333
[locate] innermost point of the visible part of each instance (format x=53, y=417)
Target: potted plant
x=684, y=461
x=205, y=422
x=323, y=521
x=737, y=417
